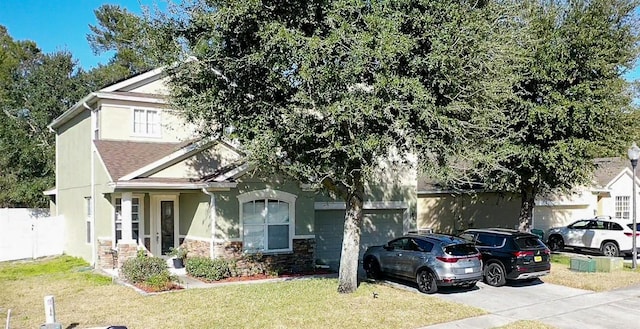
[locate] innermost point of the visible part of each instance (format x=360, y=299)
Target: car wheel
x=372, y=268
x=556, y=243
x=426, y=281
x=494, y=275
x=610, y=249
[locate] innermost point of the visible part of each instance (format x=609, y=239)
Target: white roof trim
x=237, y=172
x=169, y=159
x=624, y=171
x=337, y=205
x=172, y=186
x=123, y=85
x=146, y=98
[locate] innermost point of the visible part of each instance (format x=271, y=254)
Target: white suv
x=611, y=236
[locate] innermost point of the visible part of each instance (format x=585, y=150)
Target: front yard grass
x=595, y=281
x=86, y=299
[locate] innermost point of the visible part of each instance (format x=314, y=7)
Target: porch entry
x=164, y=224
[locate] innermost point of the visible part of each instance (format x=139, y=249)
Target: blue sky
x=60, y=24
x=64, y=24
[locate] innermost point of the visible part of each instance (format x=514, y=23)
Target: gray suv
x=431, y=260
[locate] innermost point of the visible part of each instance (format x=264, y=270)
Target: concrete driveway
x=557, y=306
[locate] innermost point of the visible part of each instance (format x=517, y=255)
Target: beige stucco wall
x=450, y=213
x=195, y=220
x=74, y=181
x=201, y=164
x=116, y=123
x=104, y=221
x=156, y=87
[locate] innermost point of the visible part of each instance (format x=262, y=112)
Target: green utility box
x=583, y=264
x=608, y=264
x=539, y=233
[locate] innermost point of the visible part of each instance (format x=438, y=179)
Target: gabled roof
x=118, y=91
x=124, y=157
x=129, y=164
x=608, y=169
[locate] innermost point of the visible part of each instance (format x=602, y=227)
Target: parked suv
x=509, y=254
x=612, y=237
x=431, y=260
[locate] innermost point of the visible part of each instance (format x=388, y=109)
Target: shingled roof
x=124, y=157
x=607, y=169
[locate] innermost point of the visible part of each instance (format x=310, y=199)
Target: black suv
x=509, y=254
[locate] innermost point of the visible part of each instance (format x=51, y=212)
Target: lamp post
x=634, y=154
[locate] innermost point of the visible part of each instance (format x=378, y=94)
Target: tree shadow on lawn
x=413, y=287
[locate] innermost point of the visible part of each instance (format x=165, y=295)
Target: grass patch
x=25, y=269
x=85, y=301
x=597, y=281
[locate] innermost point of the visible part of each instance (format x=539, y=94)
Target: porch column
x=126, y=217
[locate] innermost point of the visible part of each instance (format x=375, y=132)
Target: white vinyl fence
x=30, y=233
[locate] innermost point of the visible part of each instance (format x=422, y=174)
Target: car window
x=468, y=236
x=637, y=226
x=526, y=242
x=615, y=226
x=581, y=224
x=465, y=249
x=425, y=246
x=489, y=240
x=398, y=243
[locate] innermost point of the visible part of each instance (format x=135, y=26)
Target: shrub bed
x=209, y=269
x=150, y=273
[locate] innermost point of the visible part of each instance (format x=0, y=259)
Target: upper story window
x=268, y=220
x=146, y=122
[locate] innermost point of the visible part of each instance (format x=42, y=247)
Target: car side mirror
x=388, y=247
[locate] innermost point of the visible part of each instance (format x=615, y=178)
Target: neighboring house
x=131, y=175
x=453, y=211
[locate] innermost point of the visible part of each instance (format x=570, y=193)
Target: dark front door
x=167, y=230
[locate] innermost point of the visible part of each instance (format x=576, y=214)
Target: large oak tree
x=325, y=90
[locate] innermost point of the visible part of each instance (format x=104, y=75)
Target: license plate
x=537, y=258
x=468, y=270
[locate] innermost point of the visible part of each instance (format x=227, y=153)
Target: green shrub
x=143, y=267
x=160, y=282
x=207, y=268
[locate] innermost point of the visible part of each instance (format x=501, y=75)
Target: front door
x=165, y=226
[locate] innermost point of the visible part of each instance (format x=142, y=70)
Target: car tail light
x=523, y=253
x=447, y=259
x=631, y=234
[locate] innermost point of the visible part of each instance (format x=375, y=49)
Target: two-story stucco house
x=131, y=174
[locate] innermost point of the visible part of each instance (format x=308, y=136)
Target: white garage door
x=546, y=217
x=379, y=226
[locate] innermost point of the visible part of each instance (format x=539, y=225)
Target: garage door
x=379, y=226
x=546, y=217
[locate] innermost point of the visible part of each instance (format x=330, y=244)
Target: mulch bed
x=264, y=276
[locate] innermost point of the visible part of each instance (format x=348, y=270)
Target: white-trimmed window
x=146, y=122
x=136, y=212
x=267, y=219
x=622, y=206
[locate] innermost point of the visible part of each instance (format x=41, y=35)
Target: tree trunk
x=348, y=274
x=528, y=195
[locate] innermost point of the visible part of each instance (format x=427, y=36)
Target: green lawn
x=598, y=281
x=85, y=299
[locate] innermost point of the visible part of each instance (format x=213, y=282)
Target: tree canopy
x=572, y=97
x=34, y=89
x=324, y=91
